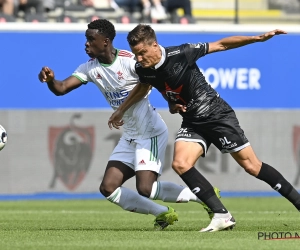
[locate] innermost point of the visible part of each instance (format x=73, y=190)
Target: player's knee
x=144, y=190
x=252, y=169
x=179, y=166
x=106, y=189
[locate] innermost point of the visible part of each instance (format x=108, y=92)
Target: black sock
x=203, y=190
x=271, y=176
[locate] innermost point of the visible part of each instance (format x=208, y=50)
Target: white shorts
x=142, y=154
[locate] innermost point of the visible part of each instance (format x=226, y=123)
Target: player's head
x=99, y=37
x=143, y=44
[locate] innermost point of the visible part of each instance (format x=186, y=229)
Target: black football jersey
x=180, y=79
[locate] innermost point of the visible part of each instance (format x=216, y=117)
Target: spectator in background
x=49, y=5
x=172, y=6
x=7, y=7
x=154, y=9
x=27, y=5
x=128, y=5
x=87, y=2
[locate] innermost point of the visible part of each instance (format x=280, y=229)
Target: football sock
x=203, y=190
x=133, y=202
x=271, y=176
x=171, y=192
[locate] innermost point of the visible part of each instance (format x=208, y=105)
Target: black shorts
x=221, y=128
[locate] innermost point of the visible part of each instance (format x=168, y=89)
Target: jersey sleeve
x=81, y=73
x=193, y=51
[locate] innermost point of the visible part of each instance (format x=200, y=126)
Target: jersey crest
x=173, y=94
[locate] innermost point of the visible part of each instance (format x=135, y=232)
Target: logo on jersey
x=173, y=94
x=226, y=143
x=120, y=75
x=175, y=70
x=183, y=132
x=71, y=152
x=142, y=162
x=172, y=53
x=277, y=187
x=116, y=98
x=296, y=149
x=196, y=190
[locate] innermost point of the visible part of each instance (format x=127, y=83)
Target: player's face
x=96, y=44
x=148, y=55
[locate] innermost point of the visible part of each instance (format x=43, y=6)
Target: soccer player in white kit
x=141, y=149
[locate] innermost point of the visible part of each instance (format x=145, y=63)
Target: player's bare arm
x=136, y=94
x=239, y=41
x=56, y=86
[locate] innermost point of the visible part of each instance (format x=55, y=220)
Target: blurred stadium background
x=59, y=146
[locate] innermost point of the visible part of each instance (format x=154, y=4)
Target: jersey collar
x=163, y=57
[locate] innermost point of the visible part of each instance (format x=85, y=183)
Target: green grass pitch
x=98, y=224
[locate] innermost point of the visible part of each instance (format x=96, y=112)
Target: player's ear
x=106, y=41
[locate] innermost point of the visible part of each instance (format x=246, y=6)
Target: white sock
x=133, y=202
x=171, y=192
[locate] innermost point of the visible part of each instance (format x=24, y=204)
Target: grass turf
x=98, y=224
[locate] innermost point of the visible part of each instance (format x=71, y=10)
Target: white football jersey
x=115, y=81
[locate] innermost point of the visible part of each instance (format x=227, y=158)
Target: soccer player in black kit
x=207, y=118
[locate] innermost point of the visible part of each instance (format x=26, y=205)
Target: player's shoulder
x=174, y=50
x=90, y=62
x=125, y=54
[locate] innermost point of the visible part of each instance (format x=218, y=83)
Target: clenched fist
x=46, y=75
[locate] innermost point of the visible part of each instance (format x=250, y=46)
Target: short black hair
x=104, y=27
x=140, y=34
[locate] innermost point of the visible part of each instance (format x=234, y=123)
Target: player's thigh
x=120, y=166
x=144, y=181
x=150, y=153
x=189, y=146
x=124, y=152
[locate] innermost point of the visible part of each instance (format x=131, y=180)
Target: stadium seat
x=125, y=19
x=35, y=18
x=6, y=18
x=182, y=19
x=67, y=19
x=93, y=18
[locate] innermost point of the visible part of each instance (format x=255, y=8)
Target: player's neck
x=108, y=58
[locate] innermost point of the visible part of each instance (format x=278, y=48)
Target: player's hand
x=270, y=34
x=115, y=121
x=175, y=108
x=46, y=75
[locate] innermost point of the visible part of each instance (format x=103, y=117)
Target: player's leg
x=186, y=153
x=150, y=161
x=165, y=215
x=117, y=172
x=111, y=187
x=149, y=158
x=247, y=159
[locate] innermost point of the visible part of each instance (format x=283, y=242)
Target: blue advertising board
x=260, y=75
